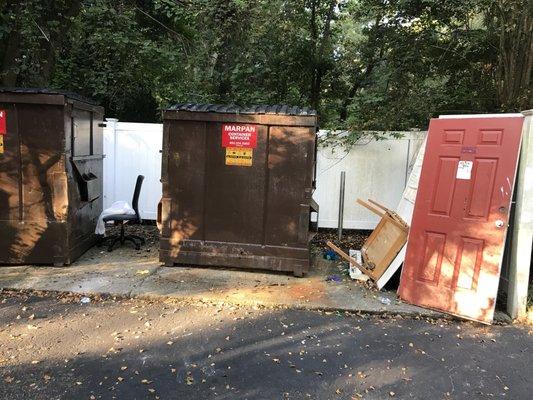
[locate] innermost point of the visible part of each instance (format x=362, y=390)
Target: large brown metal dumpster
x=50, y=176
x=237, y=186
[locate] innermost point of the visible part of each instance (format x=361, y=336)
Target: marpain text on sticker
x=239, y=135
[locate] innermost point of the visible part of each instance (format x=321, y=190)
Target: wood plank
x=347, y=257
x=370, y=207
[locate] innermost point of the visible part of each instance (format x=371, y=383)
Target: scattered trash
x=384, y=300
x=85, y=300
x=381, y=247
x=330, y=255
x=346, y=256
x=334, y=278
x=356, y=273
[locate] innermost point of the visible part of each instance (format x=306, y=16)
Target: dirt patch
x=352, y=239
x=148, y=231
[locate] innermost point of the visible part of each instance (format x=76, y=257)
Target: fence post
x=341, y=204
x=110, y=147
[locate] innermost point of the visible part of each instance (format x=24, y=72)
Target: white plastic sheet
x=118, y=207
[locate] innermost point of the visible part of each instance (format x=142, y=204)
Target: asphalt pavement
x=57, y=347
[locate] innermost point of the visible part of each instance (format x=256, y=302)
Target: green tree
x=365, y=65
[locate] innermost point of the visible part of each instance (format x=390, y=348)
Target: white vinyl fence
x=133, y=149
x=376, y=170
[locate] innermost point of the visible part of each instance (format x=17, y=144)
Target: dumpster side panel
x=82, y=133
x=290, y=158
x=84, y=178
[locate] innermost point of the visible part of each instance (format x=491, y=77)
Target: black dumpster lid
x=66, y=93
x=235, y=109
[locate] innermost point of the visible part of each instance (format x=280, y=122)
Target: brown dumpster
x=50, y=175
x=237, y=186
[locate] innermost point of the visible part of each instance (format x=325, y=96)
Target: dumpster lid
x=277, y=109
x=66, y=93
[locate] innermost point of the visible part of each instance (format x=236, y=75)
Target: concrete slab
x=130, y=273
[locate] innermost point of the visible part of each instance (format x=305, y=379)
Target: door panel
x=461, y=214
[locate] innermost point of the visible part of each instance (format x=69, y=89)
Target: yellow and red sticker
x=239, y=141
x=239, y=156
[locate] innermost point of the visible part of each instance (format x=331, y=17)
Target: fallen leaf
x=142, y=272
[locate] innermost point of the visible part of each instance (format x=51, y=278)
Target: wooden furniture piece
x=382, y=245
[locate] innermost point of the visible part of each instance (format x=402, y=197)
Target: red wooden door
x=461, y=213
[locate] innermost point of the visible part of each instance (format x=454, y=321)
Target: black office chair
x=122, y=219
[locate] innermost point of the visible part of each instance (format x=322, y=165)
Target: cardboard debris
x=354, y=272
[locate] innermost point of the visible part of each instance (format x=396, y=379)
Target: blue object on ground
x=330, y=255
x=334, y=278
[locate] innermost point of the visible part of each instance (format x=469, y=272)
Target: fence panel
x=376, y=169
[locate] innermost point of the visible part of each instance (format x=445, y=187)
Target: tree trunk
x=319, y=54
x=515, y=56
x=12, y=52
x=56, y=39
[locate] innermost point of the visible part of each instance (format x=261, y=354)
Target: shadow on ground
x=129, y=349
x=131, y=273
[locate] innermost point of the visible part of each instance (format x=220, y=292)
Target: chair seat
x=120, y=217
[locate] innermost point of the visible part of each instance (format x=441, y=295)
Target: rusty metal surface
x=43, y=217
x=253, y=216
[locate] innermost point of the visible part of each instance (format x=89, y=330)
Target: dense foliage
x=364, y=64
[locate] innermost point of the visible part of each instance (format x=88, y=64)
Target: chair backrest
x=136, y=194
